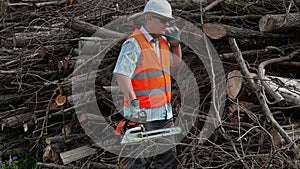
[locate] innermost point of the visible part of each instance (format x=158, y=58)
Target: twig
x=212, y=5
x=50, y=165
x=259, y=94
x=261, y=73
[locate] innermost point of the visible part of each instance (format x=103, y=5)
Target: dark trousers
x=163, y=160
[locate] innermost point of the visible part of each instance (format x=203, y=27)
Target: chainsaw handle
x=142, y=115
x=122, y=126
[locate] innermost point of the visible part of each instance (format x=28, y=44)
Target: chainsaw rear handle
x=139, y=116
x=142, y=116
x=130, y=122
x=124, y=125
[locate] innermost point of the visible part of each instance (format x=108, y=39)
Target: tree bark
x=56, y=166
x=76, y=154
x=234, y=84
x=15, y=121
x=280, y=22
x=41, y=37
x=237, y=87
x=100, y=165
x=94, y=30
x=62, y=139
x=220, y=31
x=261, y=73
x=58, y=2
x=259, y=94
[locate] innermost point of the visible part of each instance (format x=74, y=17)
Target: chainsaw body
x=134, y=132
x=138, y=134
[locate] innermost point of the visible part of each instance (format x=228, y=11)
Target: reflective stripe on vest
x=152, y=80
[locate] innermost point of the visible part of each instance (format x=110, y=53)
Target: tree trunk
x=88, y=28
x=220, y=31
x=58, y=2
x=76, y=154
x=237, y=89
x=41, y=37
x=15, y=121
x=280, y=22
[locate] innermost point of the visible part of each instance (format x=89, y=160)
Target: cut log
x=100, y=165
x=292, y=97
x=291, y=84
x=236, y=87
x=15, y=121
x=50, y=155
x=234, y=83
x=272, y=88
x=41, y=37
x=76, y=154
x=56, y=166
x=293, y=130
x=281, y=22
x=94, y=30
x=62, y=139
x=241, y=6
x=220, y=31
x=59, y=2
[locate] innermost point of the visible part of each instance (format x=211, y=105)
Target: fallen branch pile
x=257, y=42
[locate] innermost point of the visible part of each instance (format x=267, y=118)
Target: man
x=143, y=74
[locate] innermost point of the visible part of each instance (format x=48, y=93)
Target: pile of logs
x=258, y=44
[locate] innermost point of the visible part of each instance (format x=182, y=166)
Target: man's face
x=158, y=24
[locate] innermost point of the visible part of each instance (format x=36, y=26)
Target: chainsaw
x=133, y=132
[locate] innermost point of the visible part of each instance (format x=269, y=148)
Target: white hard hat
x=160, y=7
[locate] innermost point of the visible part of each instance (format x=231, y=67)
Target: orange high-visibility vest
x=151, y=80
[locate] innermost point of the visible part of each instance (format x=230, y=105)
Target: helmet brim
x=160, y=14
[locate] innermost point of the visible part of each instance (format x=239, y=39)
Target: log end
x=70, y=2
x=214, y=31
x=48, y=141
x=266, y=24
x=234, y=84
x=42, y=52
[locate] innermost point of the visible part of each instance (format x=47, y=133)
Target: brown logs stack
x=258, y=43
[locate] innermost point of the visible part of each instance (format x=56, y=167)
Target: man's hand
x=134, y=109
x=173, y=35
x=136, y=114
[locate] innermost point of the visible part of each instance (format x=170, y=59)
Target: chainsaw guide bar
x=137, y=134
